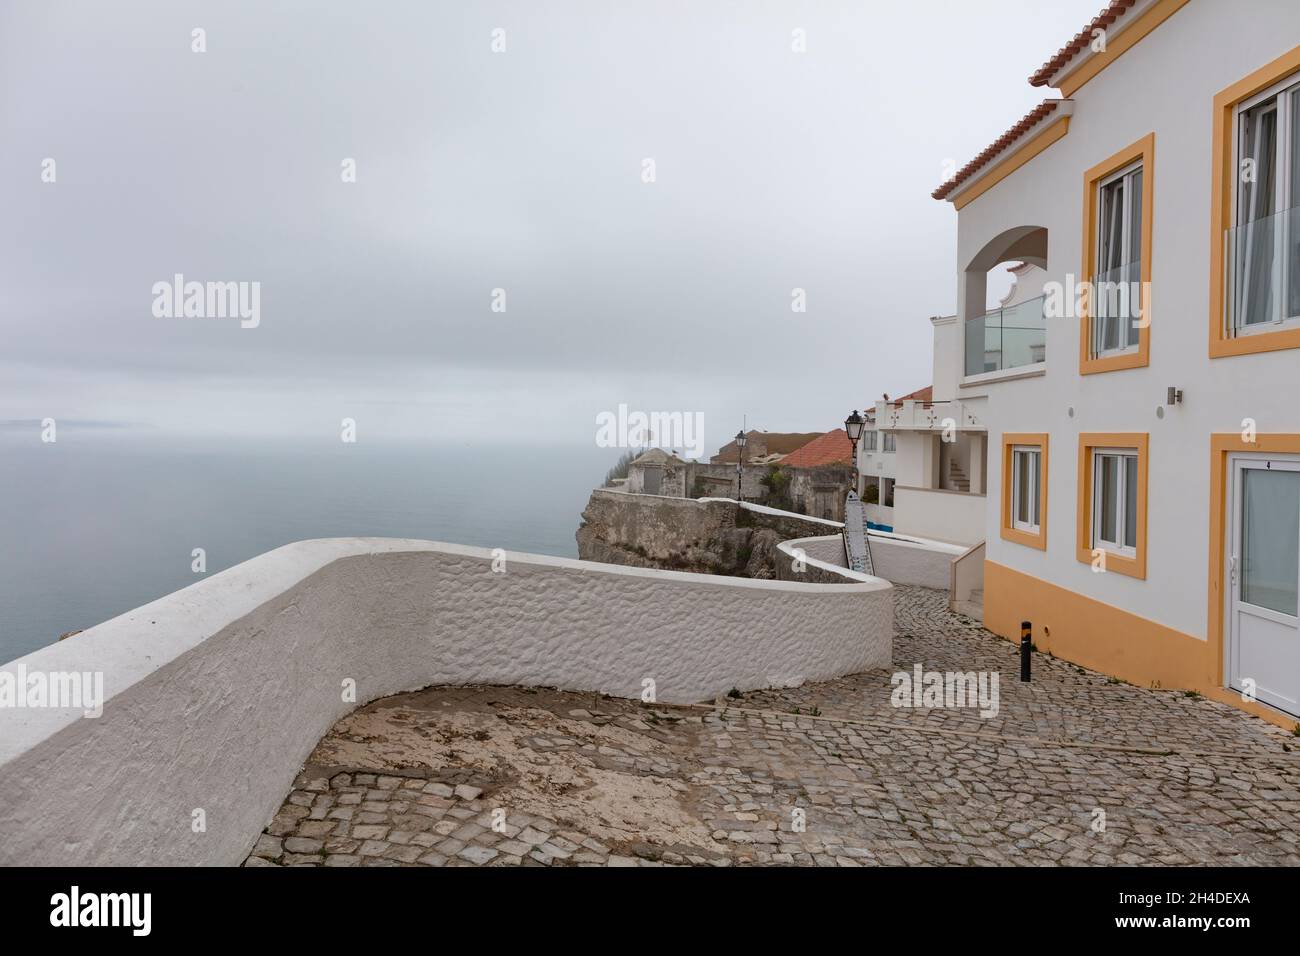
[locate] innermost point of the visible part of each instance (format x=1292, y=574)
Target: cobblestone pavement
x=1075, y=768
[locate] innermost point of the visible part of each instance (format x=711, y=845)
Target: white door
x=1264, y=576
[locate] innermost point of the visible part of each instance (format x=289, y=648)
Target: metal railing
x=1117, y=305
x=1262, y=272
x=857, y=549
x=1007, y=338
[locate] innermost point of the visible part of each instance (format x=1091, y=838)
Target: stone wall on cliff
x=708, y=535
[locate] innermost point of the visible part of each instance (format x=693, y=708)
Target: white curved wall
x=903, y=560
x=217, y=693
x=897, y=558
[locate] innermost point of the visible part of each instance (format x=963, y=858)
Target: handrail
x=857, y=549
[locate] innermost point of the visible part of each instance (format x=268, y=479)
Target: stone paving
x=1074, y=768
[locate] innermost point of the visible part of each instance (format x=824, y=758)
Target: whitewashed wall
x=897, y=558
x=951, y=516
x=902, y=560
x=217, y=693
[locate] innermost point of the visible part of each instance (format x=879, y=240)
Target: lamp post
x=740, y=458
x=853, y=426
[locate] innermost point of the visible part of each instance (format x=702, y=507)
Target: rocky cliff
x=686, y=534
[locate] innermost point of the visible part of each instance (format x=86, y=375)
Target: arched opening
x=1007, y=329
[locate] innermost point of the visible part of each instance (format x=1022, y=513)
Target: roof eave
x=1062, y=109
x=1143, y=14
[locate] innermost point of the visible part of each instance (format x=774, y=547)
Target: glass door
x=1264, y=573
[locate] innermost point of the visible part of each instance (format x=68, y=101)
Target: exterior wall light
x=853, y=426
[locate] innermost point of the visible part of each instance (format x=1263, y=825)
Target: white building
x=936, y=443
x=876, y=471
x=1143, y=477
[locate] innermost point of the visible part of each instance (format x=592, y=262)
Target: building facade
x=1143, y=461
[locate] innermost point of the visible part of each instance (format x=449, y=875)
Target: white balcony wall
x=950, y=516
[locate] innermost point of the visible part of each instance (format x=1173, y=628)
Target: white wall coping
x=764, y=509
x=787, y=548
x=216, y=694
x=134, y=645
x=911, y=541
x=905, y=539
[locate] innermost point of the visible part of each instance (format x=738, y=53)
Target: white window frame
x=1036, y=471
x=1129, y=244
x=1283, y=92
x=890, y=443
x=1121, y=500
x=869, y=440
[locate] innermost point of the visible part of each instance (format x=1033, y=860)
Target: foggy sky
x=477, y=170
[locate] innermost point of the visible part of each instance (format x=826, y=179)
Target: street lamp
x=740, y=457
x=853, y=426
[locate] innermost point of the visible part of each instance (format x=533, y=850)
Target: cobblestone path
x=1074, y=768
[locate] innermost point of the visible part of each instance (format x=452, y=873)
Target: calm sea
x=102, y=521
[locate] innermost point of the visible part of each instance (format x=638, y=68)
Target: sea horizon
x=108, y=518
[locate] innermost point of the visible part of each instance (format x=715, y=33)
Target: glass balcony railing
x=1006, y=338
x=1117, y=308
x=1262, y=265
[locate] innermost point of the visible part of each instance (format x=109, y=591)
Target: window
x=888, y=441
x=1115, y=316
x=1024, y=489
x=869, y=441
x=1114, y=507
x=1113, y=502
x=1263, y=246
x=1117, y=303
x=1254, y=223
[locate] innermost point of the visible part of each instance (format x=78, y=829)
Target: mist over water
x=103, y=521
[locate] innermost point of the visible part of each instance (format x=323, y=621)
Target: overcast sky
x=477, y=170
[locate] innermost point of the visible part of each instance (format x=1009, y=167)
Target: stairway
x=857, y=549
x=957, y=476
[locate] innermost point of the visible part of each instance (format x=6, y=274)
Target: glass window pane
x=1033, y=457
x=1256, y=242
x=1292, y=227
x=1109, y=497
x=1130, y=501
x=1112, y=223
x=1018, y=486
x=1022, y=513
x=1135, y=216
x=1133, y=268
x=1270, y=539
x=1110, y=324
x=1259, y=162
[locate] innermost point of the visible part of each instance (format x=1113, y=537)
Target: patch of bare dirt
x=611, y=769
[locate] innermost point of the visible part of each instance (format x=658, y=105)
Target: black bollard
x=1026, y=641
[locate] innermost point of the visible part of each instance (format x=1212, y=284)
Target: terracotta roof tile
x=832, y=448
x=1081, y=40
x=1030, y=120
x=776, y=443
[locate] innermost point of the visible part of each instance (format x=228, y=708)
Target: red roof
x=832, y=448
x=1030, y=120
x=1081, y=40
x=920, y=395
